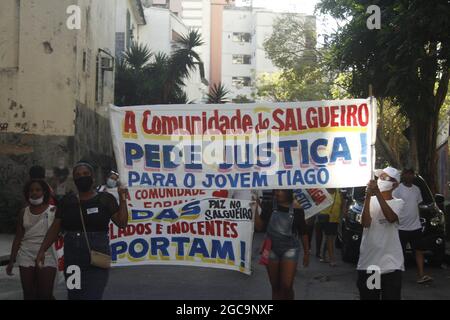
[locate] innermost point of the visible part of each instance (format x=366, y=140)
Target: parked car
x=431, y=217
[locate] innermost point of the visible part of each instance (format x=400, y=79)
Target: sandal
x=424, y=279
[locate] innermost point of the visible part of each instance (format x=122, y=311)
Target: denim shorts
x=76, y=252
x=286, y=254
x=284, y=248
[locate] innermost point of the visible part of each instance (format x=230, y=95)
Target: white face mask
x=111, y=183
x=384, y=185
x=36, y=202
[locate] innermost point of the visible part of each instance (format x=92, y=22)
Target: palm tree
x=132, y=75
x=182, y=62
x=146, y=78
x=218, y=94
x=137, y=56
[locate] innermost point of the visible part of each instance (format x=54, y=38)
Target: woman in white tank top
x=32, y=227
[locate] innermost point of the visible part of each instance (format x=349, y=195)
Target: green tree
x=218, y=94
x=242, y=98
x=183, y=61
x=292, y=47
x=406, y=61
x=391, y=145
x=143, y=77
x=289, y=85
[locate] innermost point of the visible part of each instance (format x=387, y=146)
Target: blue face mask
x=111, y=183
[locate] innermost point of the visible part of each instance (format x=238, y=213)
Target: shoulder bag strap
x=84, y=226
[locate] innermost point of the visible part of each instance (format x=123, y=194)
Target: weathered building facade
x=55, y=87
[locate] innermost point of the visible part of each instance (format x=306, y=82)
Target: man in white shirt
x=381, y=261
x=410, y=228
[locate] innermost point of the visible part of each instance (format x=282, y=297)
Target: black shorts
x=330, y=228
x=414, y=238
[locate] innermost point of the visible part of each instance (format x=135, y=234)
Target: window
x=242, y=59
x=241, y=81
x=242, y=37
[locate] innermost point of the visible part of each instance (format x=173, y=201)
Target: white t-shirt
x=409, y=219
x=380, y=244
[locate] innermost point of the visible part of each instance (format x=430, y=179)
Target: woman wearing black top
x=98, y=209
x=284, y=221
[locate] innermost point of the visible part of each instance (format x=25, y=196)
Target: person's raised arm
x=120, y=218
x=366, y=219
x=20, y=231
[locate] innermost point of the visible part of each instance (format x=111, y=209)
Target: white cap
x=390, y=171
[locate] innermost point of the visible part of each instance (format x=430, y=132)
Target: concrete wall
x=257, y=22
x=49, y=111
x=157, y=33
x=39, y=93
x=263, y=26
x=18, y=152
x=122, y=7
x=236, y=21
x=9, y=34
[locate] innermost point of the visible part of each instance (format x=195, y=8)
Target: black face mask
x=84, y=184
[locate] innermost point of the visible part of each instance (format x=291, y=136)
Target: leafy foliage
x=143, y=77
x=406, y=61
x=218, y=94
x=292, y=48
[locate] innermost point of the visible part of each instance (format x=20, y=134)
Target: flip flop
x=424, y=279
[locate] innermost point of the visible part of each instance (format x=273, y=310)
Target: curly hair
x=45, y=188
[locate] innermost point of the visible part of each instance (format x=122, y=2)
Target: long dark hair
x=45, y=188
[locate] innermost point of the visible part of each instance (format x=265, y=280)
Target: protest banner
x=313, y=200
x=319, y=144
x=183, y=228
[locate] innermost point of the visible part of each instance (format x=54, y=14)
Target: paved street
x=318, y=282
x=5, y=246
